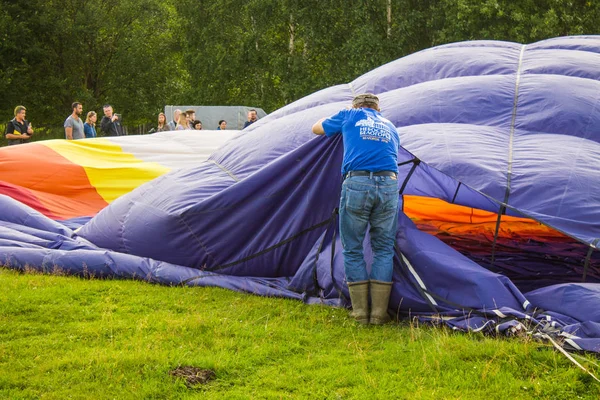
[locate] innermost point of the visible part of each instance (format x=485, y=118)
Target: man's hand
x=317, y=128
x=114, y=118
x=30, y=130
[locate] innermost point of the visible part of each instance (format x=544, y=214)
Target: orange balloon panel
x=462, y=220
x=62, y=189
x=66, y=179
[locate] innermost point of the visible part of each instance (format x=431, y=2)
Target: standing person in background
x=182, y=123
x=89, y=128
x=74, y=124
x=162, y=123
x=191, y=116
x=111, y=123
x=222, y=125
x=252, y=118
x=18, y=129
x=173, y=124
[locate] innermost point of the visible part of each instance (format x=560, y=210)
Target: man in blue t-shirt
x=369, y=197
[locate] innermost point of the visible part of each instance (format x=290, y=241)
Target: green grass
x=65, y=337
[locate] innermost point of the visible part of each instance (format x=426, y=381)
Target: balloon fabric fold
x=500, y=221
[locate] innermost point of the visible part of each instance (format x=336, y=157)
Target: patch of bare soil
x=193, y=376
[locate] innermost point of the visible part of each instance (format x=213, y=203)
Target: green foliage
x=65, y=337
x=523, y=22
x=92, y=52
x=140, y=55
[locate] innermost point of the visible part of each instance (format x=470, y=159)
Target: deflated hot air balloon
x=498, y=180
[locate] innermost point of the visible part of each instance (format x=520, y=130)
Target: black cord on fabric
x=318, y=288
x=588, y=258
x=501, y=212
x=412, y=160
x=456, y=193
x=315, y=277
x=271, y=248
x=415, y=162
x=267, y=250
x=333, y=282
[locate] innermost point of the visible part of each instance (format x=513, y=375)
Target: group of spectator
x=182, y=120
x=75, y=128
x=19, y=130
x=186, y=120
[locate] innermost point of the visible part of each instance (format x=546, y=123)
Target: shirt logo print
x=373, y=130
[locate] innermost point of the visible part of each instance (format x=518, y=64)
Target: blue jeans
x=369, y=201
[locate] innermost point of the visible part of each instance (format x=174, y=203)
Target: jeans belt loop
x=370, y=174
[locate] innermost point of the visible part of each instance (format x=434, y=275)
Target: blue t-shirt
x=371, y=142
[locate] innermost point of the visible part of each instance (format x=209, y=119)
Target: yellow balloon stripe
x=110, y=170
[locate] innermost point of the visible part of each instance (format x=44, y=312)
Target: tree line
x=140, y=55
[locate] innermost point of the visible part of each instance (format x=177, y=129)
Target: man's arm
x=13, y=136
x=69, y=132
x=10, y=129
x=69, y=128
x=317, y=128
x=104, y=124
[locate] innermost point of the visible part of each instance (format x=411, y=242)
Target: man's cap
x=365, y=98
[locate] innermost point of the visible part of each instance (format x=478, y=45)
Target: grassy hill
x=65, y=337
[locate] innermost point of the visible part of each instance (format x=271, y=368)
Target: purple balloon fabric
x=503, y=127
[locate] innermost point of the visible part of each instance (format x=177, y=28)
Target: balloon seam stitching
x=502, y=209
x=231, y=174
